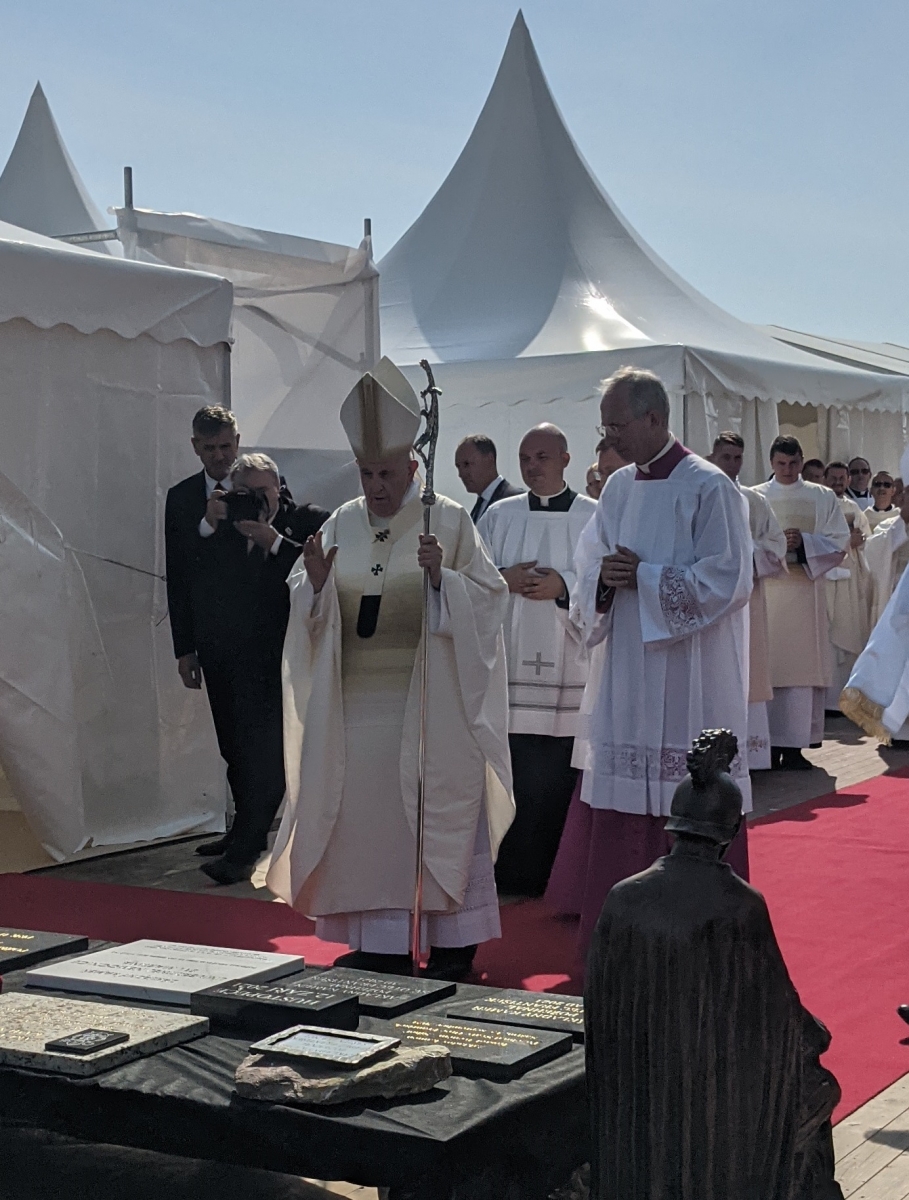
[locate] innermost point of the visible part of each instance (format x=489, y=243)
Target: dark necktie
x=476, y=510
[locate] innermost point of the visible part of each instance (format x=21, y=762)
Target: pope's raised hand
x=317, y=562
x=429, y=556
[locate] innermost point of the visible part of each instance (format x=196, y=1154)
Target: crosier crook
x=425, y=447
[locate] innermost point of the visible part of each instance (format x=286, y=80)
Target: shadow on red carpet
x=834, y=870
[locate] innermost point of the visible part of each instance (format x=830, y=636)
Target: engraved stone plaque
x=258, y=1009
x=168, y=972
x=536, y=1010
x=23, y=948
x=484, y=1051
x=382, y=995
x=28, y=1022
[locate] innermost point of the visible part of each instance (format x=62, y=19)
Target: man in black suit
x=229, y=608
x=475, y=462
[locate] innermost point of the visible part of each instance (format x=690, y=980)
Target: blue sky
x=760, y=146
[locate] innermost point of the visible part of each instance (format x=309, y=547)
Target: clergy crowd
x=575, y=645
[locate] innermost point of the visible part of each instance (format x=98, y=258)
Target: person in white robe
x=532, y=540
x=887, y=554
x=768, y=549
x=848, y=591
x=817, y=539
x=876, y=696
x=883, y=489
x=345, y=853
x=666, y=583
x=859, y=478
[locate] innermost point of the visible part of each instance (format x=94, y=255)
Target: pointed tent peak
x=522, y=253
x=40, y=188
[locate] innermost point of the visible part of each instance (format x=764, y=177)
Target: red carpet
x=835, y=872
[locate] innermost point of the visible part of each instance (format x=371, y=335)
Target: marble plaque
x=536, y=1010
x=382, y=995
x=167, y=972
x=28, y=1022
x=484, y=1051
x=258, y=1009
x=327, y=1045
x=23, y=948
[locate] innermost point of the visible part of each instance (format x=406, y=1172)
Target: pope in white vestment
x=800, y=663
x=670, y=595
x=345, y=853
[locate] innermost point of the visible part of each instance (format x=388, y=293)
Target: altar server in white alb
x=532, y=540
x=669, y=590
x=345, y=852
x=768, y=549
x=817, y=538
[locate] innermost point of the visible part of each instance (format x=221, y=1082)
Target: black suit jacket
x=502, y=492
x=219, y=594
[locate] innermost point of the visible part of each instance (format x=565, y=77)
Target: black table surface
x=476, y=1135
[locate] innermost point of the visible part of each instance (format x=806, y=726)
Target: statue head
x=708, y=804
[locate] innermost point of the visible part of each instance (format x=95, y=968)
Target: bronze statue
x=702, y=1065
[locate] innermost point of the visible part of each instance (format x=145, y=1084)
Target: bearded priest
x=346, y=850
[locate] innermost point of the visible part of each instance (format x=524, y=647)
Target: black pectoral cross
x=377, y=569
x=537, y=663
x=383, y=534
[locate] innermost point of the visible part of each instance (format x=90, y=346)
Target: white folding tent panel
x=102, y=364
x=40, y=188
x=521, y=255
x=305, y=327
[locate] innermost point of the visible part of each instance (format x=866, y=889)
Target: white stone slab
x=168, y=972
x=27, y=1022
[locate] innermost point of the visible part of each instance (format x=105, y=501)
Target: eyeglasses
x=860, y=471
x=612, y=430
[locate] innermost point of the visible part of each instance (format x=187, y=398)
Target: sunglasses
x=883, y=483
x=860, y=471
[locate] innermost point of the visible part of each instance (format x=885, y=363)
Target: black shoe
x=794, y=760
x=903, y=1011
x=898, y=744
x=815, y=745
x=214, y=849
x=776, y=758
x=385, y=964
x=831, y=714
x=222, y=870
x=453, y=963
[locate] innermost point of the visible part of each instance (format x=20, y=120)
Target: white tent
x=521, y=259
x=102, y=364
x=840, y=431
x=305, y=326
x=40, y=188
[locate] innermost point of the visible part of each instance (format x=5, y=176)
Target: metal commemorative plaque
x=382, y=995
x=323, y=1045
x=534, y=1010
x=481, y=1050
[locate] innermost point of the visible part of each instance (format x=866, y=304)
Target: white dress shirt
x=206, y=530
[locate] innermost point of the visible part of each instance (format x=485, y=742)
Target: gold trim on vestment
x=865, y=713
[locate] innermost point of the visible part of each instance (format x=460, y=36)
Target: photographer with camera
x=228, y=576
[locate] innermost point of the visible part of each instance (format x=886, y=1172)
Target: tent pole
x=370, y=312
x=127, y=187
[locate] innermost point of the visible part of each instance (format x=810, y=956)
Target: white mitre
x=381, y=415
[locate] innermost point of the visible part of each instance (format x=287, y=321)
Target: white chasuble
x=352, y=712
x=545, y=651
x=796, y=601
x=876, y=696
x=887, y=555
x=768, y=548
x=676, y=659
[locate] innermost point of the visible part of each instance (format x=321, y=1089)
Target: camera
x=245, y=506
